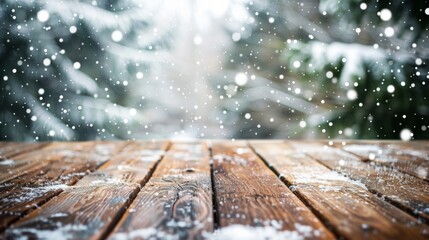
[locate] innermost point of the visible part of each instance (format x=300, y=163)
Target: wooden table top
x=215, y=190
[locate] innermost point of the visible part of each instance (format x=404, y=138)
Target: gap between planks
x=407, y=192
x=387, y=154
x=214, y=195
x=67, y=198
x=323, y=190
x=298, y=195
x=176, y=200
x=132, y=198
x=52, y=173
x=250, y=194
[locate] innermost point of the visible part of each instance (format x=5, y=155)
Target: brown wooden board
x=4, y=144
x=346, y=205
x=405, y=191
x=60, y=169
x=176, y=203
x=9, y=149
x=421, y=146
x=248, y=193
x=39, y=159
x=405, y=159
x=90, y=208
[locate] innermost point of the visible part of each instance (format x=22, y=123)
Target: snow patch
x=330, y=188
x=71, y=175
x=60, y=232
x=103, y=149
x=30, y=193
x=148, y=155
x=185, y=156
x=386, y=154
x=329, y=181
x=230, y=159
x=150, y=158
x=261, y=233
x=7, y=162
x=60, y=214
x=422, y=172
x=145, y=233
x=363, y=148
x=151, y=152
x=231, y=233
x=108, y=181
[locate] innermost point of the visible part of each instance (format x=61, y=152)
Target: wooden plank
x=90, y=208
x=348, y=207
x=20, y=196
x=4, y=144
x=415, y=148
x=421, y=146
x=10, y=149
x=18, y=164
x=405, y=159
x=248, y=193
x=35, y=161
x=176, y=203
x=40, y=160
x=403, y=190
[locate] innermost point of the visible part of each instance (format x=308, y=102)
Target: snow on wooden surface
x=214, y=190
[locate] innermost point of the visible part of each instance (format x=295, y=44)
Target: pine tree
x=66, y=67
x=361, y=68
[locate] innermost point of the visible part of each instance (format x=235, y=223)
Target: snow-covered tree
x=276, y=69
x=66, y=66
x=351, y=69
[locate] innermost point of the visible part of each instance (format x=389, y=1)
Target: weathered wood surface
x=90, y=208
x=407, y=160
x=10, y=149
x=17, y=166
x=403, y=190
x=177, y=201
x=42, y=159
x=54, y=168
x=214, y=190
x=247, y=192
x=346, y=205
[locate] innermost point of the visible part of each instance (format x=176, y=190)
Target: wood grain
x=176, y=202
x=59, y=168
x=347, y=206
x=10, y=149
x=91, y=207
x=121, y=190
x=40, y=159
x=407, y=160
x=418, y=145
x=403, y=190
x=248, y=193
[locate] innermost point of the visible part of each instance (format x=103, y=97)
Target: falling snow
x=241, y=69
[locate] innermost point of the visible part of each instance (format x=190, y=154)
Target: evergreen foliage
x=362, y=67
x=65, y=67
x=77, y=70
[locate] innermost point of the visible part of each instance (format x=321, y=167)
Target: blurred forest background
x=129, y=69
